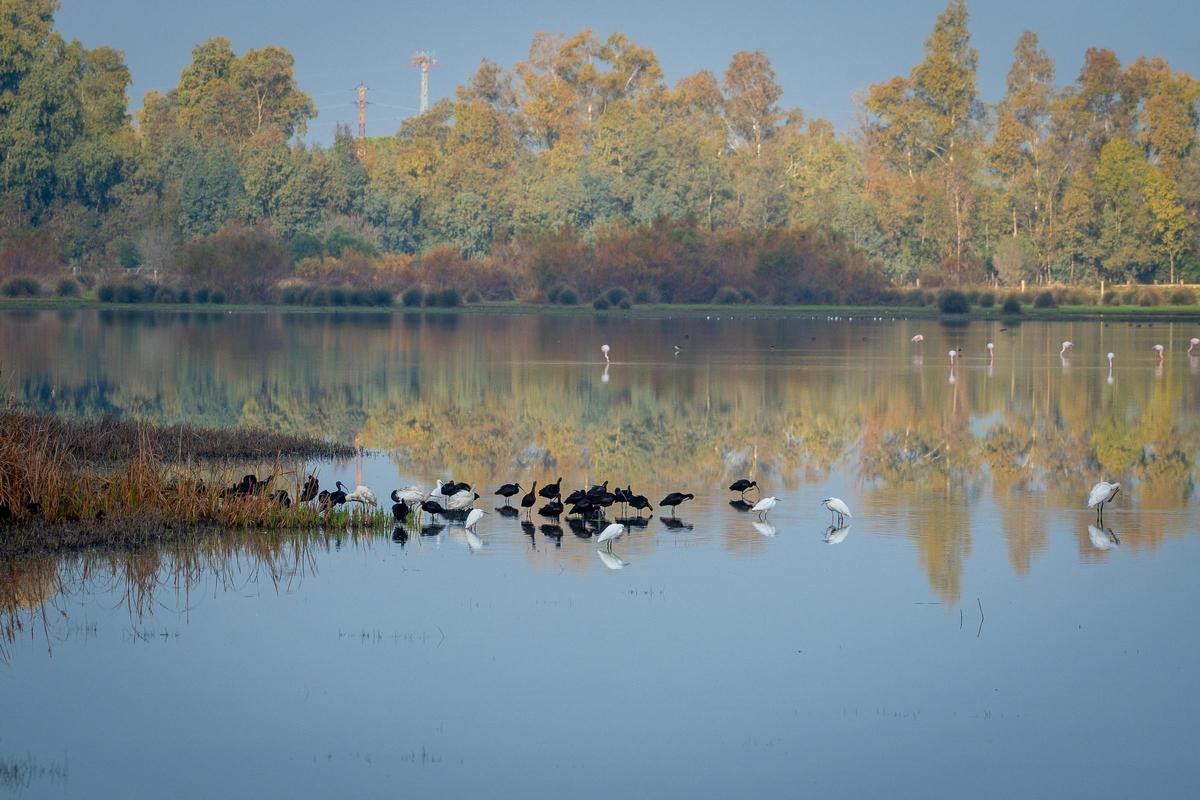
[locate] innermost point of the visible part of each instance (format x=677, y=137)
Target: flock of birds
x=1066, y=350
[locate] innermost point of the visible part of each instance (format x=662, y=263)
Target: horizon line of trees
x=582, y=141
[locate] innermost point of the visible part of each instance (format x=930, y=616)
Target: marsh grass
x=69, y=484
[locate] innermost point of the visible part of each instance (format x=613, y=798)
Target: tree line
x=581, y=168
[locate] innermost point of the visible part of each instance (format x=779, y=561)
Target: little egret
x=473, y=518
x=836, y=506
x=953, y=355
x=611, y=534
x=991, y=350
x=604, y=349
x=1110, y=360
x=763, y=506
x=1102, y=493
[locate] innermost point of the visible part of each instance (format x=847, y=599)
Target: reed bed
x=69, y=484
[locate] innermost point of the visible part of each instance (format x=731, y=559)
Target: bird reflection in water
x=1103, y=538
x=579, y=528
x=634, y=522
x=400, y=536
x=740, y=505
x=611, y=560
x=528, y=528
x=676, y=524
x=474, y=543
x=553, y=532
x=508, y=511
x=836, y=535
x=432, y=529
x=763, y=527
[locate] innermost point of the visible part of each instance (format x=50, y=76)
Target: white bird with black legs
x=364, y=497
x=473, y=518
x=991, y=348
x=763, y=506
x=1111, y=356
x=409, y=495
x=1102, y=493
x=838, y=508
x=610, y=534
x=953, y=356
x=1103, y=538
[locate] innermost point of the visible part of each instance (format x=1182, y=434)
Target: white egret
x=1103, y=539
x=610, y=560
x=991, y=350
x=1103, y=492
x=1158, y=349
x=1192, y=343
x=765, y=528
x=473, y=518
x=604, y=349
x=610, y=534
x=836, y=506
x=437, y=494
x=1110, y=365
x=1066, y=347
x=835, y=534
x=763, y=506
x=918, y=339
x=953, y=355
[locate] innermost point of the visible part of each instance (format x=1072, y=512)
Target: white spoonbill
x=1103, y=492
x=604, y=349
x=473, y=518
x=918, y=339
x=1192, y=343
x=1103, y=539
x=1158, y=348
x=409, y=495
x=836, y=506
x=610, y=534
x=1066, y=348
x=364, y=497
x=460, y=500
x=836, y=535
x=764, y=505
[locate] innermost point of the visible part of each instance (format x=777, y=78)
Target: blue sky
x=823, y=52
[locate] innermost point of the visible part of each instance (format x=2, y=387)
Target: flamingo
x=836, y=506
x=1103, y=492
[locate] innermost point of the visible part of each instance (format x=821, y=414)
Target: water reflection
x=1103, y=538
x=836, y=535
x=500, y=398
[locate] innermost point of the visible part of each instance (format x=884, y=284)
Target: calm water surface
x=967, y=636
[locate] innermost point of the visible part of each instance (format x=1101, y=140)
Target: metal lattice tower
x=424, y=61
x=362, y=111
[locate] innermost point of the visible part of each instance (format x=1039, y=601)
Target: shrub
x=249, y=261
x=450, y=297
x=625, y=304
x=987, y=299
x=973, y=297
x=184, y=295
x=952, y=301
x=202, y=294
x=1147, y=297
x=1012, y=304
x=305, y=245
x=1045, y=300
x=1129, y=297
x=413, y=297
x=643, y=296
x=22, y=287
x=68, y=287
x=381, y=297
x=106, y=292
x=216, y=296
x=337, y=296
x=358, y=297
x=132, y=293
x=567, y=296
x=165, y=294
x=600, y=304
x=472, y=297
x=87, y=281
x=1182, y=297
x=317, y=296
x=615, y=295
x=748, y=296
x=727, y=296
x=1112, y=299
x=291, y=295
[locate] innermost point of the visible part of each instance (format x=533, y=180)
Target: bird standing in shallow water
x=1192, y=344
x=764, y=505
x=675, y=499
x=1103, y=492
x=743, y=485
x=837, y=507
x=1067, y=347
x=611, y=534
x=1158, y=349
x=529, y=499
x=508, y=490
x=604, y=349
x=473, y=518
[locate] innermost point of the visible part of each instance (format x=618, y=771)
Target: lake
x=969, y=634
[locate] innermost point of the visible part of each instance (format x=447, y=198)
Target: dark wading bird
x=742, y=486
x=551, y=490
x=552, y=509
x=640, y=503
x=508, y=491
x=309, y=492
x=529, y=499
x=674, y=499
x=400, y=511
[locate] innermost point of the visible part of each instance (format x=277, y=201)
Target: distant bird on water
x=473, y=518
x=918, y=339
x=551, y=490
x=837, y=507
x=1110, y=365
x=1158, y=349
x=508, y=490
x=991, y=350
x=604, y=349
x=764, y=505
x=1192, y=344
x=1066, y=348
x=530, y=498
x=674, y=499
x=743, y=485
x=1102, y=493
